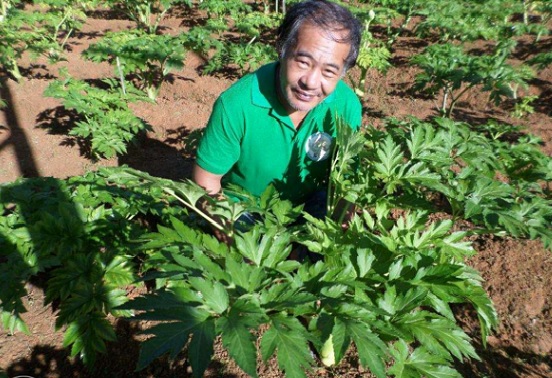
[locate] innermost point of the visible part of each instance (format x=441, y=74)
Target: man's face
x=311, y=70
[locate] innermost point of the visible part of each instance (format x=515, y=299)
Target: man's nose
x=311, y=79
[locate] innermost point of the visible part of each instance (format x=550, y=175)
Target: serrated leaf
x=240, y=342
x=371, y=349
x=441, y=336
x=209, y=267
x=200, y=349
x=288, y=337
x=213, y=294
x=420, y=363
x=170, y=337
x=364, y=260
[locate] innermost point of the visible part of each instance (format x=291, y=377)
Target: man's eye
x=330, y=73
x=302, y=63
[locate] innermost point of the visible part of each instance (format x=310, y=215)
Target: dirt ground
x=34, y=142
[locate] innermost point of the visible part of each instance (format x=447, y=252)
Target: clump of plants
x=449, y=72
x=148, y=58
x=105, y=124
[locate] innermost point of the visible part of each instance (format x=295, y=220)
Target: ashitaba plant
x=149, y=58
x=76, y=234
x=385, y=284
x=448, y=71
x=106, y=124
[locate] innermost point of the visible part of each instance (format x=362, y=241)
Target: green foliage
x=448, y=70
x=200, y=40
x=373, y=54
x=221, y=8
x=39, y=32
x=462, y=165
x=15, y=39
x=468, y=20
x=389, y=12
x=78, y=234
x=245, y=50
x=536, y=9
x=147, y=14
x=149, y=57
x=246, y=57
x=254, y=24
x=5, y=7
x=106, y=123
x=523, y=107
x=386, y=284
x=62, y=17
x=370, y=287
x=541, y=60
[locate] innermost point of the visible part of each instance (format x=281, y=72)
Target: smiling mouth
x=304, y=96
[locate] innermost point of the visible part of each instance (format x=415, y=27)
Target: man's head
x=327, y=16
x=317, y=42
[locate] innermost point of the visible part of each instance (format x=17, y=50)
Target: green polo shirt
x=251, y=140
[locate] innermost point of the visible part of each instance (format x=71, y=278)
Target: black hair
x=325, y=15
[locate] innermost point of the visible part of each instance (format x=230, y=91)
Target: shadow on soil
x=171, y=159
x=22, y=148
x=119, y=361
x=501, y=363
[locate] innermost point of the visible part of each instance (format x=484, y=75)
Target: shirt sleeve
x=219, y=148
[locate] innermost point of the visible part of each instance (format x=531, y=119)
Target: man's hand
x=212, y=184
x=209, y=181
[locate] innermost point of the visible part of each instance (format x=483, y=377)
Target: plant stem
x=121, y=78
x=196, y=209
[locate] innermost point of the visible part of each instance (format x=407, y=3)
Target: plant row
x=384, y=285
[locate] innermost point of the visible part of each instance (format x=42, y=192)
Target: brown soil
x=34, y=142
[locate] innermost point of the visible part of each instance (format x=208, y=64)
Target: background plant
x=448, y=70
x=106, y=123
x=16, y=39
x=467, y=20
x=389, y=11
x=5, y=6
x=149, y=58
x=247, y=50
x=147, y=14
x=417, y=160
x=61, y=18
x=40, y=32
x=373, y=54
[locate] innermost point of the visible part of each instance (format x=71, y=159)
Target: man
x=276, y=125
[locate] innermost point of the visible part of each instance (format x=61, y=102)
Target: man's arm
x=209, y=181
x=212, y=184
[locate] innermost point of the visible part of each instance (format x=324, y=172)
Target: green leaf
x=365, y=259
x=440, y=336
x=420, y=363
x=288, y=337
x=170, y=337
x=244, y=275
x=213, y=294
x=200, y=349
x=239, y=341
x=371, y=349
